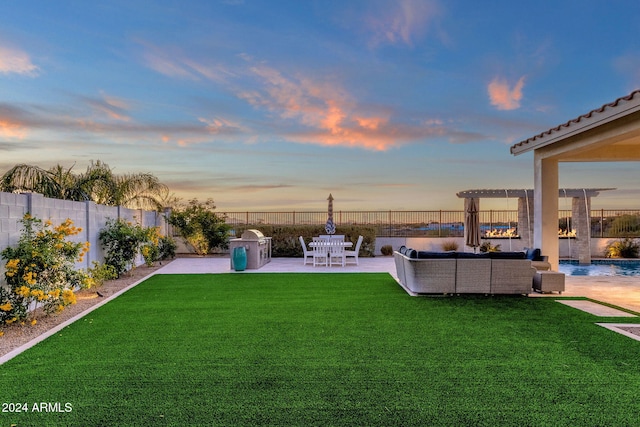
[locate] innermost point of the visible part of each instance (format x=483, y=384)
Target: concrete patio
x=621, y=291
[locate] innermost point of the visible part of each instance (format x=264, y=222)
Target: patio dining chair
x=306, y=253
x=354, y=253
x=336, y=254
x=320, y=254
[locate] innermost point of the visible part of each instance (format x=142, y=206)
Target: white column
x=545, y=200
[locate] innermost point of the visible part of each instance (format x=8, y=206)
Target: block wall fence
x=89, y=216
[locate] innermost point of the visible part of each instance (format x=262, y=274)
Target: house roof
x=617, y=109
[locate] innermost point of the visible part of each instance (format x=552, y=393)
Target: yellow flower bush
x=41, y=270
x=68, y=297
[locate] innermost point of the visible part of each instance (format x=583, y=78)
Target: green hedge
x=285, y=240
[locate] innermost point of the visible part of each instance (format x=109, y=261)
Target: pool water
x=604, y=267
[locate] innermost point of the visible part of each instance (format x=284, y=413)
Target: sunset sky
x=272, y=105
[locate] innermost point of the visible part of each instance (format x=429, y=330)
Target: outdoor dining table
x=330, y=243
x=325, y=247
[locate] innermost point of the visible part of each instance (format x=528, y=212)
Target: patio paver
x=595, y=308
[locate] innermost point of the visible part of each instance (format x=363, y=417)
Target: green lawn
x=324, y=349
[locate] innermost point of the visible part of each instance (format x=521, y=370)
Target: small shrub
x=624, y=226
x=625, y=248
x=386, y=250
x=122, y=241
x=200, y=226
x=166, y=248
x=101, y=273
x=450, y=245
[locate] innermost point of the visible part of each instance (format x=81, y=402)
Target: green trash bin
x=239, y=258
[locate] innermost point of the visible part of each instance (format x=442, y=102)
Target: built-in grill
x=258, y=248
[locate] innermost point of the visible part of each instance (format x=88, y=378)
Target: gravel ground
x=632, y=330
x=16, y=335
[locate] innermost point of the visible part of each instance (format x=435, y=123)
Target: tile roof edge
x=578, y=119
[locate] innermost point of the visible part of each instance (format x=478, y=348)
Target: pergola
x=580, y=212
x=610, y=133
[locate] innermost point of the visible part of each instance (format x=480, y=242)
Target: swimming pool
x=601, y=267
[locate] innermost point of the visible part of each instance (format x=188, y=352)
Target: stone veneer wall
x=581, y=247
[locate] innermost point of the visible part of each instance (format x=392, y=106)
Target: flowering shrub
x=151, y=247
x=40, y=270
x=157, y=247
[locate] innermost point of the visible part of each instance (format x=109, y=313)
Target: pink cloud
x=371, y=123
x=14, y=61
x=502, y=96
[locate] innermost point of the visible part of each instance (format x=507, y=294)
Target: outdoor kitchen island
x=257, y=247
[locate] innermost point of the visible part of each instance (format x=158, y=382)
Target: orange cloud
x=9, y=129
x=329, y=116
x=383, y=136
x=323, y=107
x=502, y=96
x=16, y=61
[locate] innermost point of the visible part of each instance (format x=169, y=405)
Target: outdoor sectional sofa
x=422, y=272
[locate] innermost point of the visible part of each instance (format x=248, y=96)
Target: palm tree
x=139, y=190
x=98, y=183
x=23, y=178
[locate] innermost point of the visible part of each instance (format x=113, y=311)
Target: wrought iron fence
x=615, y=223
x=604, y=223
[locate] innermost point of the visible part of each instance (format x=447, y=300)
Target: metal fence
x=604, y=223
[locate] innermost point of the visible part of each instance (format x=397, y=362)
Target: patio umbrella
x=472, y=223
x=330, y=227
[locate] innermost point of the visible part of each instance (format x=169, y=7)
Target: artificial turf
x=323, y=349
